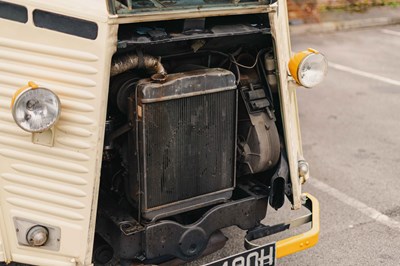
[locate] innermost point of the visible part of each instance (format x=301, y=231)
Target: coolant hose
x=132, y=61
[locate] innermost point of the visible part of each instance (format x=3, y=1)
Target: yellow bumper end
x=305, y=240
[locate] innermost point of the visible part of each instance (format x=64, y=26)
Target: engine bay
x=194, y=138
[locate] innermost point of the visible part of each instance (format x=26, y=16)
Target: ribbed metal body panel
x=55, y=184
x=189, y=147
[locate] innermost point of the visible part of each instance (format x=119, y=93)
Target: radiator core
x=187, y=137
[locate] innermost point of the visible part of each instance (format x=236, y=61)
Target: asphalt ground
x=351, y=138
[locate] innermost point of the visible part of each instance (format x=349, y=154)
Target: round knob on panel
x=37, y=236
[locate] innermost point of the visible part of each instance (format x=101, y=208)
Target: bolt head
x=303, y=168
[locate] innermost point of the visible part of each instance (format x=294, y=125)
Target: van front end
x=132, y=132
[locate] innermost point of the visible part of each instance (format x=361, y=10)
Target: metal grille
x=189, y=146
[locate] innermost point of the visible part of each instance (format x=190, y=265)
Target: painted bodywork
x=58, y=185
x=54, y=185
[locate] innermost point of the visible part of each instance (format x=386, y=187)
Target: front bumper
x=292, y=244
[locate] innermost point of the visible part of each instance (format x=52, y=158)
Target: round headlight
x=36, y=109
x=308, y=68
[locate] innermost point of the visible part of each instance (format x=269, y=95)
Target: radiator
x=187, y=141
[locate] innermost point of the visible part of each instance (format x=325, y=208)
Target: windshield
x=139, y=6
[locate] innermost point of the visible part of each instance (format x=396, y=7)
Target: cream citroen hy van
x=132, y=132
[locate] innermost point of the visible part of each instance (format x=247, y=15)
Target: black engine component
x=186, y=141
x=121, y=87
x=166, y=239
x=258, y=137
x=102, y=251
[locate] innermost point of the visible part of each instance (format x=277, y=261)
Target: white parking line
x=364, y=74
x=391, y=32
x=356, y=204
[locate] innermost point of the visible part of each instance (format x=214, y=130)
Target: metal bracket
x=294, y=243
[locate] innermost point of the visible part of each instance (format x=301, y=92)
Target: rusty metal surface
x=124, y=63
x=188, y=124
x=163, y=240
x=188, y=84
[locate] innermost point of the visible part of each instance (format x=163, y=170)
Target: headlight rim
x=303, y=61
x=297, y=61
x=18, y=96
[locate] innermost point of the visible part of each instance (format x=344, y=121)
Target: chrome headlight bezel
x=36, y=109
